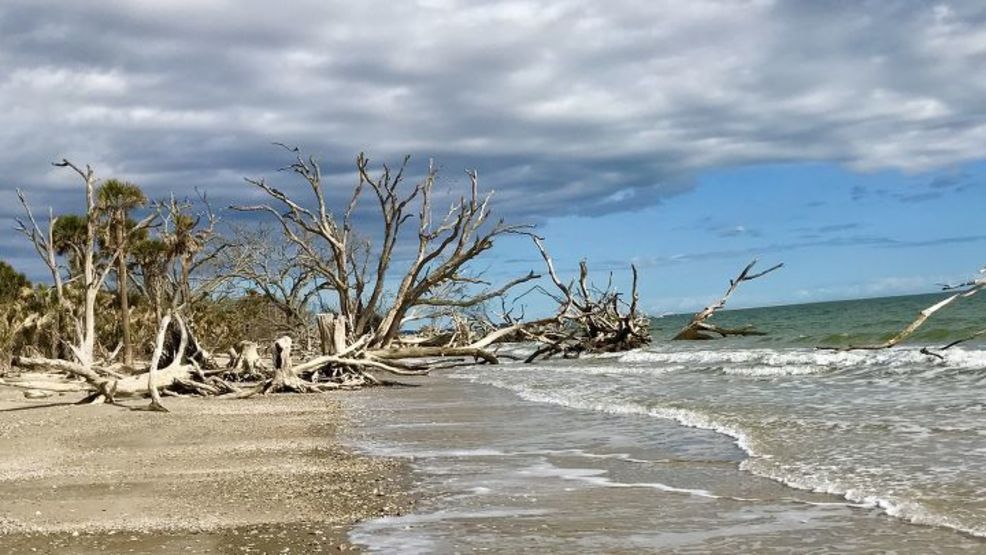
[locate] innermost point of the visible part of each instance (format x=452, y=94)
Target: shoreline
x=494, y=468
x=256, y=474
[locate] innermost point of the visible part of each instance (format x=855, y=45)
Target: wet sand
x=497, y=474
x=262, y=475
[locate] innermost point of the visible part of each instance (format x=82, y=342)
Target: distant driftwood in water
x=967, y=290
x=700, y=329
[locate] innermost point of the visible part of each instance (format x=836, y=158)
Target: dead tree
x=966, y=290
x=700, y=329
x=356, y=272
x=45, y=246
x=373, y=299
x=263, y=262
x=172, y=370
x=195, y=268
x=92, y=272
x=588, y=320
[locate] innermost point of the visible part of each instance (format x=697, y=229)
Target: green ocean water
x=858, y=451
x=841, y=323
x=894, y=429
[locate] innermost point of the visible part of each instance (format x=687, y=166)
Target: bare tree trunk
x=283, y=375
x=87, y=344
x=332, y=333
x=155, y=361
x=121, y=275
x=247, y=360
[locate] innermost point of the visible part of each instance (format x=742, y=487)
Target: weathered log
x=699, y=329
x=45, y=385
x=138, y=386
x=57, y=365
x=972, y=287
x=434, y=352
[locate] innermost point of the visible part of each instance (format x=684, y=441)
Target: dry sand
x=262, y=475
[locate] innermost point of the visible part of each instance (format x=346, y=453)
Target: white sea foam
x=599, y=477
x=394, y=534
x=767, y=371
x=684, y=416
x=733, y=360
x=598, y=370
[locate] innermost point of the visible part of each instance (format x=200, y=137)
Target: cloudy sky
x=846, y=139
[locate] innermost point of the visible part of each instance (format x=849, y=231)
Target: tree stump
x=332, y=333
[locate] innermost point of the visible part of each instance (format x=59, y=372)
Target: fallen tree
x=700, y=329
x=588, y=320
x=965, y=290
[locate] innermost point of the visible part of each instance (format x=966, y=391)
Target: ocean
x=752, y=444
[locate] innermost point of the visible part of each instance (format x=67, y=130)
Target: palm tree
x=152, y=260
x=116, y=199
x=11, y=282
x=184, y=241
x=69, y=235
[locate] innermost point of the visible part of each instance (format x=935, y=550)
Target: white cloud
x=565, y=106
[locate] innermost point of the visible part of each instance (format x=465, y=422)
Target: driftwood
x=937, y=352
x=109, y=388
x=700, y=329
x=968, y=289
x=587, y=321
x=245, y=363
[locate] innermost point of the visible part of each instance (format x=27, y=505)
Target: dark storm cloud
x=568, y=107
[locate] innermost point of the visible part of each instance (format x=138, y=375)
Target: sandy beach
x=264, y=475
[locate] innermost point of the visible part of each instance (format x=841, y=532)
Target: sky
x=845, y=139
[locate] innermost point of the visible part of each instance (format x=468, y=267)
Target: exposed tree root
x=588, y=320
